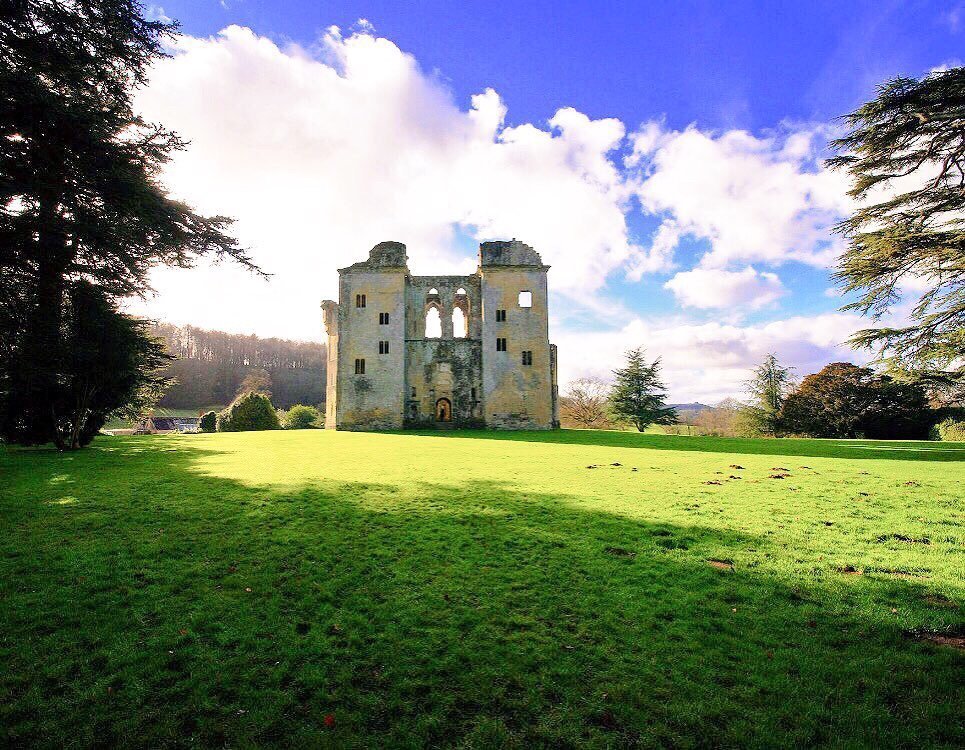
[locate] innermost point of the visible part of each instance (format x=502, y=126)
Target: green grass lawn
x=578, y=588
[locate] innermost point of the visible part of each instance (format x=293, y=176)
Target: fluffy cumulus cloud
x=754, y=199
x=320, y=153
x=709, y=288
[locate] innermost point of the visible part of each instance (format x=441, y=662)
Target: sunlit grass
x=480, y=589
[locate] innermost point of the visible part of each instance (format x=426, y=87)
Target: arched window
x=460, y=315
x=459, y=323
x=434, y=291
x=433, y=323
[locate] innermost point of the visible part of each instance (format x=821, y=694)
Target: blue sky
x=666, y=157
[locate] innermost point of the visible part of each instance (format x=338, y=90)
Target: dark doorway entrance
x=443, y=410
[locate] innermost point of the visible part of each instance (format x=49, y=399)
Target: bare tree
x=586, y=403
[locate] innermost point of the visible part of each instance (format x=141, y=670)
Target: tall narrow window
x=383, y=319
x=413, y=392
x=433, y=323
x=500, y=345
x=360, y=300
x=525, y=299
x=473, y=394
x=458, y=323
x=527, y=357
x=383, y=347
x=360, y=367
x=500, y=316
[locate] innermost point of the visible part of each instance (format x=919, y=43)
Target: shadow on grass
x=164, y=607
x=897, y=450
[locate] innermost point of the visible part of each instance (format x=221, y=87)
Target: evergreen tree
x=905, y=153
x=768, y=387
x=80, y=197
x=639, y=395
x=109, y=365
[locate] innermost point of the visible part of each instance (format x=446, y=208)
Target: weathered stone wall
x=330, y=319
x=446, y=299
x=441, y=368
x=478, y=384
x=515, y=396
x=373, y=400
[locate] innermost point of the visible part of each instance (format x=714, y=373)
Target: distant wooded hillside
x=210, y=366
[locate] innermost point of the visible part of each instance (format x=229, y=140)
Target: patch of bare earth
x=721, y=564
x=951, y=639
x=940, y=600
x=850, y=570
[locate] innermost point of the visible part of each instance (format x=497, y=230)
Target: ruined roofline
x=509, y=254
x=388, y=255
x=391, y=256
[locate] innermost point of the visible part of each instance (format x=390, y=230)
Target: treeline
x=209, y=367
x=841, y=401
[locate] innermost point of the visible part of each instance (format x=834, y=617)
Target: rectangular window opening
x=360, y=367
x=500, y=345
x=500, y=316
x=383, y=319
x=383, y=347
x=527, y=357
x=525, y=299
x=360, y=300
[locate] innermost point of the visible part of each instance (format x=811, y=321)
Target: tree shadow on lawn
x=166, y=607
x=895, y=450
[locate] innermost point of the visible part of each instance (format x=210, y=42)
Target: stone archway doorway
x=443, y=410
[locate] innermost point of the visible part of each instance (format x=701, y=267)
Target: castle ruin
x=438, y=351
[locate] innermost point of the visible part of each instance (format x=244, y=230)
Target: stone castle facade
x=437, y=351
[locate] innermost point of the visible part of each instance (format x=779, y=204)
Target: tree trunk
x=43, y=347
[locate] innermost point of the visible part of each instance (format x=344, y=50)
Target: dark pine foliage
x=639, y=395
x=905, y=153
x=80, y=199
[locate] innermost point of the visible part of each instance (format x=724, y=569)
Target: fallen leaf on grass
x=721, y=565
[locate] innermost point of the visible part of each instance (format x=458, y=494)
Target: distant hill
x=209, y=367
x=695, y=406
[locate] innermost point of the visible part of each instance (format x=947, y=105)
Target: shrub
x=301, y=417
x=250, y=411
x=208, y=422
x=949, y=429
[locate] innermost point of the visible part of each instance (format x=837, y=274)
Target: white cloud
x=755, y=199
x=710, y=361
x=156, y=13
x=707, y=288
x=321, y=154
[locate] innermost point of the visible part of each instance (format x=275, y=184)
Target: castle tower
x=518, y=366
x=441, y=351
